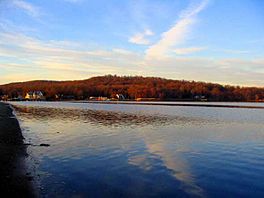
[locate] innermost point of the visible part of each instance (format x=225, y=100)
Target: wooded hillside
x=135, y=87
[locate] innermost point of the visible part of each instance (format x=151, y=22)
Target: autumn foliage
x=134, y=87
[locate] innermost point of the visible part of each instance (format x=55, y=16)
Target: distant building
x=93, y=98
x=18, y=98
x=4, y=97
x=100, y=98
x=200, y=98
x=120, y=96
x=34, y=95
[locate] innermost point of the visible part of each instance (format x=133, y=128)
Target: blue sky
x=204, y=40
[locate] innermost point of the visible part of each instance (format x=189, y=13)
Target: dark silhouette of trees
x=133, y=87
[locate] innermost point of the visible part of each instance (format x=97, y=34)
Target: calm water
x=99, y=150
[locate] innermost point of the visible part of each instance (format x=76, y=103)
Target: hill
x=135, y=87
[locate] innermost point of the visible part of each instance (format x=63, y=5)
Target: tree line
x=133, y=87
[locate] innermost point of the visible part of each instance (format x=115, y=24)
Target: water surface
x=103, y=150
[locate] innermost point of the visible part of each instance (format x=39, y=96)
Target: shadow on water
x=105, y=118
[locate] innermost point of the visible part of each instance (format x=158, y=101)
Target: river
x=121, y=150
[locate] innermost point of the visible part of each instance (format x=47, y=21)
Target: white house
x=34, y=95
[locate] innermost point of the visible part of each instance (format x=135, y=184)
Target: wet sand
x=14, y=181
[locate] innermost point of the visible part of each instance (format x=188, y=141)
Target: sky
x=219, y=41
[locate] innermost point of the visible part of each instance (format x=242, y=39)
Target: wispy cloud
x=233, y=71
x=232, y=51
x=188, y=50
x=141, y=38
x=177, y=34
x=64, y=55
x=60, y=60
x=27, y=7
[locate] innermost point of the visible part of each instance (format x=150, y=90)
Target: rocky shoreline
x=14, y=182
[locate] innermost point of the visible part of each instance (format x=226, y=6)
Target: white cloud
x=29, y=8
x=141, y=38
x=61, y=60
x=56, y=56
x=193, y=9
x=177, y=34
x=224, y=71
x=232, y=51
x=188, y=50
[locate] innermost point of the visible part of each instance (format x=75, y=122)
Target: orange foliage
x=134, y=87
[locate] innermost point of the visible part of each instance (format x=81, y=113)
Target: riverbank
x=14, y=180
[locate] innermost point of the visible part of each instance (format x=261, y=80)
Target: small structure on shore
x=120, y=97
x=34, y=95
x=18, y=98
x=4, y=97
x=200, y=98
x=100, y=98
